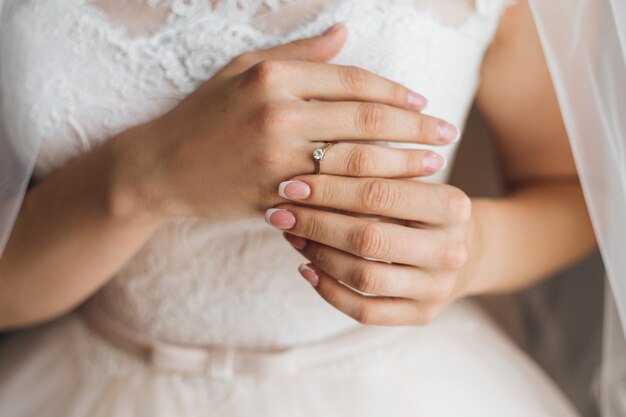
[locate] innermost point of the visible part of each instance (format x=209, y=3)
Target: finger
x=437, y=204
x=368, y=276
x=317, y=49
x=368, y=239
x=326, y=82
x=373, y=121
x=385, y=311
x=363, y=160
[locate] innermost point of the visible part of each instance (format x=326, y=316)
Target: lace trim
x=254, y=12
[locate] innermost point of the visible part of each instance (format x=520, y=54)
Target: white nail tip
x=269, y=213
x=281, y=188
x=309, y=274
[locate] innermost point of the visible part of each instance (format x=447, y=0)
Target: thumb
x=319, y=48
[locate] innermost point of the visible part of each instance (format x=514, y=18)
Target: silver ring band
x=319, y=154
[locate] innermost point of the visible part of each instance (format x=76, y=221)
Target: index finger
x=329, y=82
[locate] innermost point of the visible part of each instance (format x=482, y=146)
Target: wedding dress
x=75, y=72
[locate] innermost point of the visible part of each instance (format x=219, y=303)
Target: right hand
x=221, y=153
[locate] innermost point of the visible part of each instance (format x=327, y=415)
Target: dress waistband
x=226, y=361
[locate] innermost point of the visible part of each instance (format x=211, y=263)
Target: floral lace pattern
x=198, y=282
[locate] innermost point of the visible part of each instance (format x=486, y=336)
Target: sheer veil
x=585, y=45
x=17, y=159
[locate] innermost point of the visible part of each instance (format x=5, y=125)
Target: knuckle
x=353, y=79
x=312, y=228
x=412, y=161
x=454, y=255
x=243, y=61
x=426, y=315
x=371, y=118
x=399, y=93
x=265, y=158
x=459, y=206
x=272, y=117
x=302, y=49
x=366, y=315
x=379, y=195
x=318, y=255
x=332, y=296
x=443, y=289
x=419, y=126
x=358, y=162
x=265, y=74
x=370, y=240
x=368, y=279
x=427, y=129
x=326, y=192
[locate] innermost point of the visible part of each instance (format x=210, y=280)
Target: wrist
x=131, y=190
x=477, y=273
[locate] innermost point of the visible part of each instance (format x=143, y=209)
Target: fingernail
x=280, y=218
x=433, y=162
x=446, y=132
x=296, y=241
x=309, y=274
x=294, y=190
x=416, y=101
x=333, y=29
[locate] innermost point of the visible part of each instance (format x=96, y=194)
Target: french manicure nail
x=294, y=190
x=295, y=241
x=280, y=218
x=416, y=101
x=334, y=28
x=446, y=132
x=433, y=162
x=309, y=274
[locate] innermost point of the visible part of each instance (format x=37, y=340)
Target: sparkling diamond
x=318, y=154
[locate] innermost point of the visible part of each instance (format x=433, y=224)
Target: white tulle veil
x=585, y=45
x=17, y=159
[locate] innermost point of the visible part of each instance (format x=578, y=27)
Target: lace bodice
x=76, y=72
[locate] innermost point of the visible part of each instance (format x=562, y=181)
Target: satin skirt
x=460, y=365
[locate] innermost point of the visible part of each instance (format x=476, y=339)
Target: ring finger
x=363, y=160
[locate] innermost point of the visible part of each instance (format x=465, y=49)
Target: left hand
x=427, y=251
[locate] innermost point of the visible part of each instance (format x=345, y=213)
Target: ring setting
x=319, y=154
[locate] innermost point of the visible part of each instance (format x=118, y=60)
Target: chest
x=76, y=72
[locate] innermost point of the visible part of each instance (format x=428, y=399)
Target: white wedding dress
x=75, y=72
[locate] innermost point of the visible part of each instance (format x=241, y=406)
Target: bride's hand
x=430, y=251
x=223, y=150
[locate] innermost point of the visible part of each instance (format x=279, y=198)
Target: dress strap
x=226, y=361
